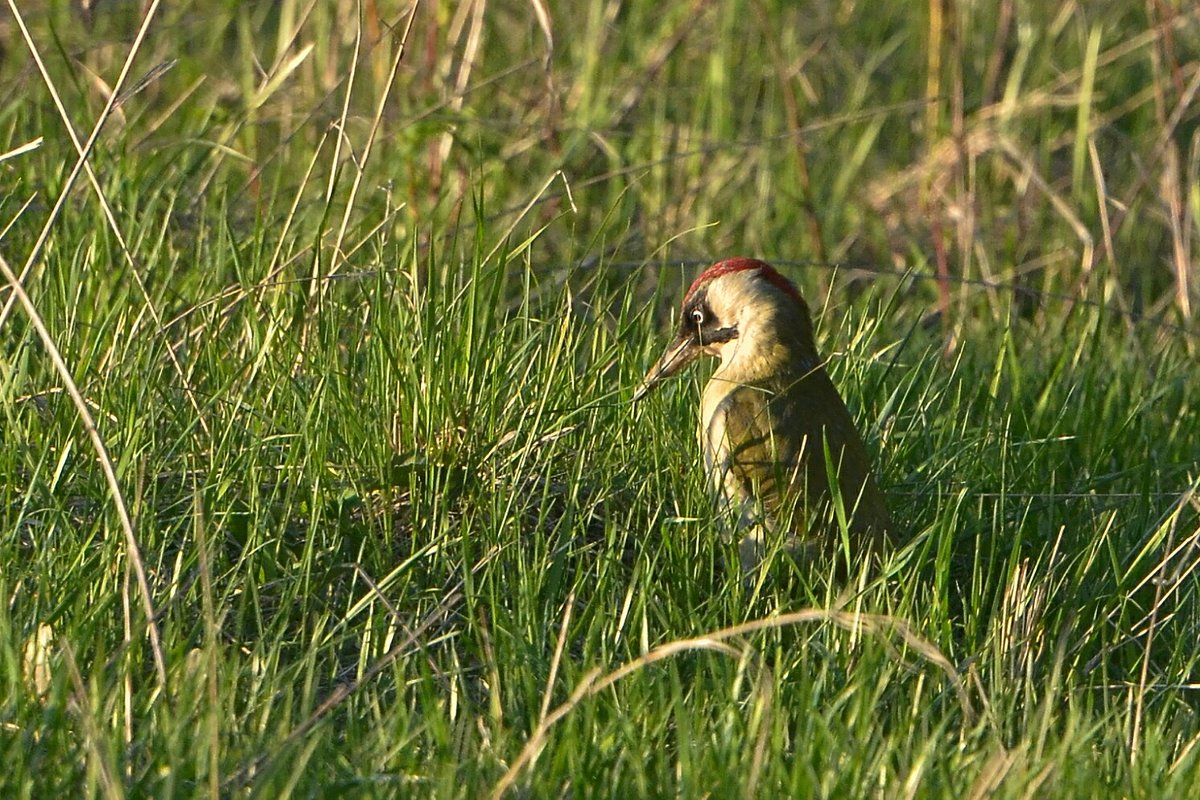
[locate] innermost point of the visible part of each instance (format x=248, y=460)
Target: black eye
x=698, y=317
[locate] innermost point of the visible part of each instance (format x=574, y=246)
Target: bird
x=774, y=432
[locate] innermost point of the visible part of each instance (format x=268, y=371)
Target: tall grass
x=357, y=329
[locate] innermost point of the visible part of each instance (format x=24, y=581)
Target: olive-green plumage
x=770, y=415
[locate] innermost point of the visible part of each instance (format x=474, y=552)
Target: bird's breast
x=713, y=442
x=725, y=408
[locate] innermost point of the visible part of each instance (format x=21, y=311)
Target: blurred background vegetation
x=1049, y=146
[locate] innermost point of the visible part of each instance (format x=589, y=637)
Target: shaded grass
x=508, y=497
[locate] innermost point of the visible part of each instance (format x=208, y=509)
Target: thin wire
x=916, y=274
x=868, y=268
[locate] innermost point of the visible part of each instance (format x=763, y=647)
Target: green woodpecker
x=773, y=429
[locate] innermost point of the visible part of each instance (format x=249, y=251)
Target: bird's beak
x=681, y=352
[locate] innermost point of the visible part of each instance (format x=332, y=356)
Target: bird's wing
x=767, y=443
x=812, y=405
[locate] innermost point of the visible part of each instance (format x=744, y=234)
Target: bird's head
x=738, y=310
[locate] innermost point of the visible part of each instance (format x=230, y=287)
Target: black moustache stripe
x=719, y=336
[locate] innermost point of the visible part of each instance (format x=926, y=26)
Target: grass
x=360, y=347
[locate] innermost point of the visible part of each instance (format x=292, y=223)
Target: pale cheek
x=726, y=351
